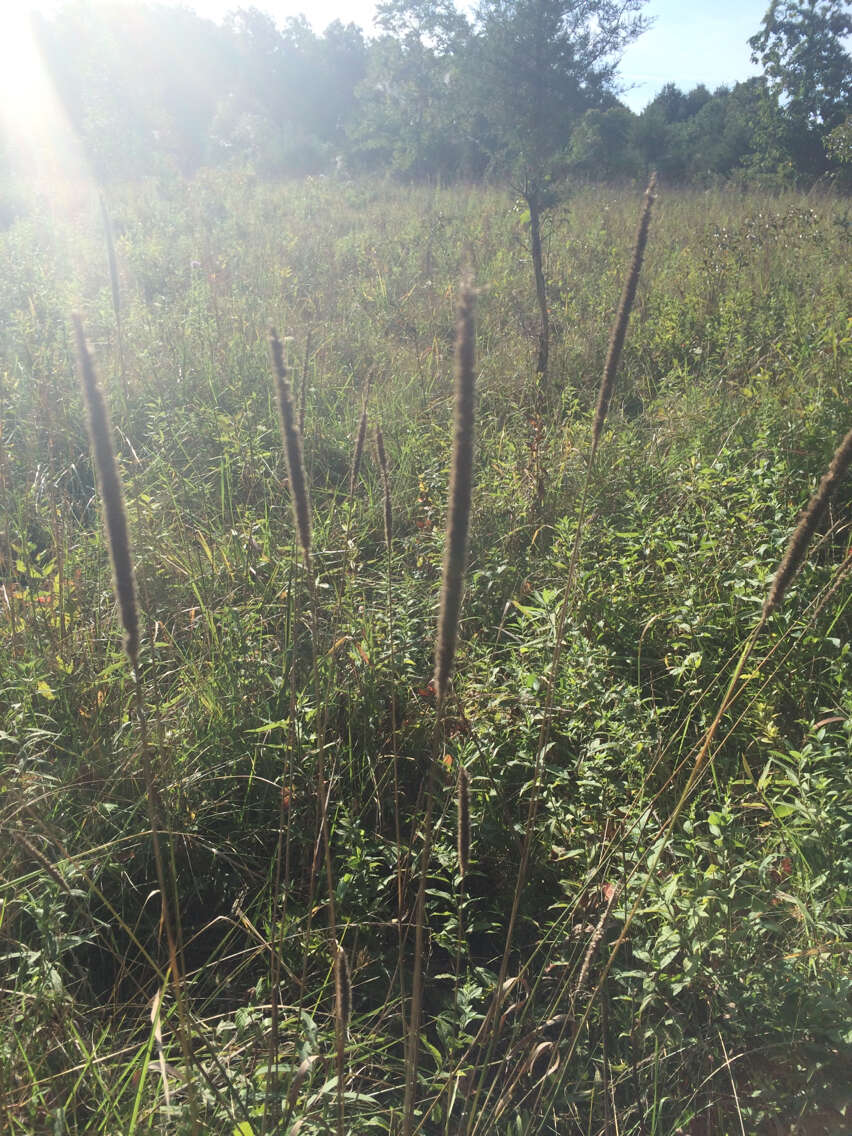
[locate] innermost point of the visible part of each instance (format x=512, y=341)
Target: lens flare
x=36, y=139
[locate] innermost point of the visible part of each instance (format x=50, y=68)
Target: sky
x=691, y=41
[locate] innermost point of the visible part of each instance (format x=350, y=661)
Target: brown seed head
x=359, y=445
x=797, y=549
x=115, y=518
x=386, y=493
x=292, y=440
x=619, y=328
x=461, y=483
x=595, y=941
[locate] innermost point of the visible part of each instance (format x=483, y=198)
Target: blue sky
x=692, y=41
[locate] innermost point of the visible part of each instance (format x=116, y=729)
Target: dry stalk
x=386, y=492
x=303, y=389
x=619, y=328
x=292, y=438
x=463, y=821
x=359, y=445
x=382, y=458
x=118, y=541
x=455, y=555
x=342, y=1017
x=461, y=482
x=115, y=518
x=797, y=549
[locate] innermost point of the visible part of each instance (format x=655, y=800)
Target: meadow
x=678, y=957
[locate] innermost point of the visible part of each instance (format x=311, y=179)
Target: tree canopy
x=521, y=89
x=539, y=65
x=801, y=48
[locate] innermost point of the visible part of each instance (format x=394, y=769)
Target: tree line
x=524, y=89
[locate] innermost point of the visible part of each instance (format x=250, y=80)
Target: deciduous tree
x=539, y=65
x=802, y=51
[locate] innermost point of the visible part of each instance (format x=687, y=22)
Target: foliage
x=524, y=89
x=736, y=133
x=410, y=105
x=726, y=1005
x=539, y=64
x=802, y=49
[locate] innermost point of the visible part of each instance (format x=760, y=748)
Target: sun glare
x=39, y=141
x=22, y=77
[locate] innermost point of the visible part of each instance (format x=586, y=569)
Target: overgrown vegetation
x=287, y=695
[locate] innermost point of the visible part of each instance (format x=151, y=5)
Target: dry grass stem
x=461, y=483
x=595, y=942
x=455, y=554
x=619, y=328
x=386, y=493
x=342, y=990
x=359, y=445
x=112, y=262
x=303, y=390
x=115, y=518
x=343, y=1016
x=125, y=591
x=292, y=439
x=797, y=549
x=463, y=818
x=40, y=857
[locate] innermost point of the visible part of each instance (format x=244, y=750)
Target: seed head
x=115, y=518
x=359, y=446
x=292, y=439
x=619, y=328
x=797, y=549
x=461, y=482
x=386, y=493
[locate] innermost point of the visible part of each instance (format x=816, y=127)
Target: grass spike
x=619, y=328
x=461, y=484
x=115, y=517
x=359, y=445
x=797, y=548
x=292, y=439
x=386, y=493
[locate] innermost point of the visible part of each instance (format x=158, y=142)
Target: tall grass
x=589, y=878
x=605, y=392
x=118, y=543
x=452, y=582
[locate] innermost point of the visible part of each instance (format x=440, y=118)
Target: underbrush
x=678, y=964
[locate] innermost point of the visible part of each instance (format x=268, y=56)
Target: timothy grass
x=679, y=961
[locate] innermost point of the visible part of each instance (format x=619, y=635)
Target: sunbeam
x=40, y=144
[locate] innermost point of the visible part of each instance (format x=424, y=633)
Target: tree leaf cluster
x=526, y=90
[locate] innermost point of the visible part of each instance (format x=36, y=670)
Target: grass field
x=679, y=960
